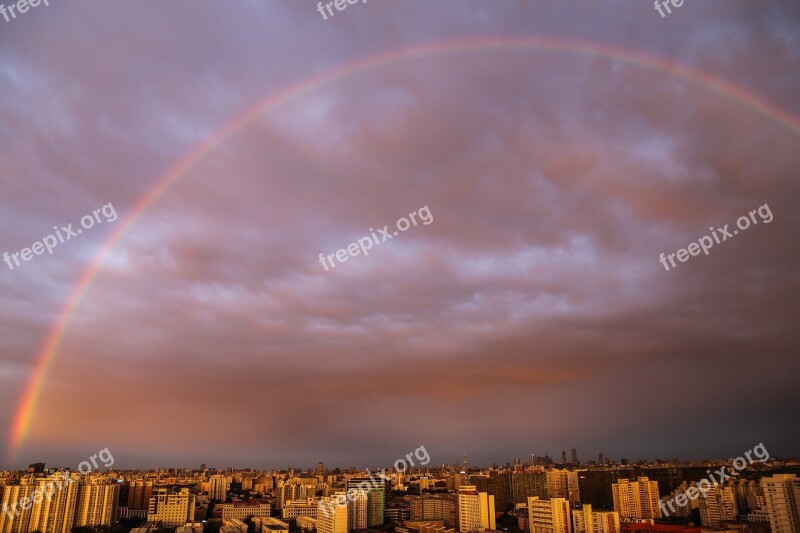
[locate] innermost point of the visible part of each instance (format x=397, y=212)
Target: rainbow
x=22, y=418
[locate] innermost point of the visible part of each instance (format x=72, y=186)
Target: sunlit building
x=636, y=499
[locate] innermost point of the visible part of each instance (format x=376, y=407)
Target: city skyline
x=241, y=232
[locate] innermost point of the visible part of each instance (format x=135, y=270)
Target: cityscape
x=399, y=266
x=751, y=493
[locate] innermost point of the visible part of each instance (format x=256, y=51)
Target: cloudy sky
x=532, y=314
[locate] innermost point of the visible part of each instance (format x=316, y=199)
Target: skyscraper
x=549, y=516
x=782, y=495
x=575, y=457
x=636, y=499
x=475, y=510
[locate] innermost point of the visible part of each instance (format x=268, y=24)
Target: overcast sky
x=532, y=315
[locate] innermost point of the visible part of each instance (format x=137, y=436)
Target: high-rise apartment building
x=332, y=516
x=497, y=486
x=139, y=493
x=749, y=495
x=588, y=521
x=55, y=514
x=557, y=483
x=376, y=489
x=636, y=499
x=15, y=518
x=573, y=487
x=98, y=499
x=523, y=485
x=782, y=498
x=549, y=516
x=357, y=509
x=475, y=510
x=718, y=506
x=171, y=509
x=575, y=461
x=217, y=487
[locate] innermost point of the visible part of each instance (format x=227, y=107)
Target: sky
x=558, y=148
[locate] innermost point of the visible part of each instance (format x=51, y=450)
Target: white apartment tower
x=475, y=510
x=549, y=516
x=636, y=499
x=782, y=496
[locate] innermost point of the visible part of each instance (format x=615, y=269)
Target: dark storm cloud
x=532, y=314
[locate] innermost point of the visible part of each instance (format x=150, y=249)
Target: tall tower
x=464, y=467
